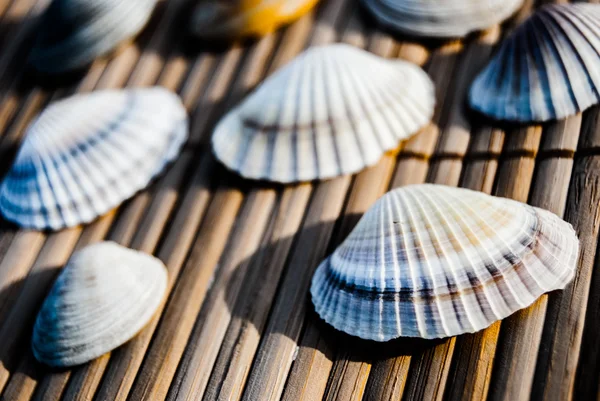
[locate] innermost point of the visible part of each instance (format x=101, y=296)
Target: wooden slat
x=557, y=360
x=521, y=333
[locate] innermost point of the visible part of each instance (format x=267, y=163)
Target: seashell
x=103, y=297
x=320, y=116
x=432, y=261
x=547, y=69
x=86, y=154
x=441, y=18
x=227, y=19
x=73, y=33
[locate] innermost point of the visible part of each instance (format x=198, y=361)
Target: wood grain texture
x=238, y=323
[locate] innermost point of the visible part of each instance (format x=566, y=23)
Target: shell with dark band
x=432, y=261
x=333, y=110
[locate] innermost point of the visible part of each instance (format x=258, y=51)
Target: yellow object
x=235, y=19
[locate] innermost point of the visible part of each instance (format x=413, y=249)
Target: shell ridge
x=476, y=277
x=397, y=285
x=398, y=129
x=369, y=137
x=332, y=130
x=352, y=127
x=525, y=271
x=300, y=165
x=314, y=130
x=573, y=251
x=447, y=247
x=560, y=59
x=415, y=318
x=511, y=255
x=433, y=285
x=484, y=284
x=279, y=157
x=592, y=44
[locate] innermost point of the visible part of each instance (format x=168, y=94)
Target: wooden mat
x=237, y=323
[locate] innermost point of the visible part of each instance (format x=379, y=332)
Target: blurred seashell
x=73, y=33
x=227, y=19
x=103, y=297
x=333, y=110
x=547, y=69
x=85, y=155
x=441, y=18
x=432, y=261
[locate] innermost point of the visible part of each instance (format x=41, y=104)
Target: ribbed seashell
x=547, y=69
x=227, y=19
x=333, y=110
x=441, y=18
x=73, y=33
x=432, y=261
x=86, y=154
x=103, y=297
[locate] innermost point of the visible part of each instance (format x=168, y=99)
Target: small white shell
x=85, y=155
x=334, y=110
x=547, y=69
x=432, y=261
x=441, y=18
x=73, y=33
x=103, y=297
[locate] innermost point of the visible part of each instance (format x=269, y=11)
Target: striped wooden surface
x=237, y=324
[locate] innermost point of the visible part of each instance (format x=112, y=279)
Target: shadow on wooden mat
x=265, y=280
x=11, y=297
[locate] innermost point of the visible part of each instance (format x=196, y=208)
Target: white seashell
x=441, y=18
x=432, y=261
x=85, y=155
x=333, y=110
x=103, y=297
x=73, y=33
x=547, y=69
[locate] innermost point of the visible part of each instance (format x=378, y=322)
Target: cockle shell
x=333, y=110
x=227, y=19
x=103, y=297
x=73, y=33
x=547, y=69
x=432, y=261
x=441, y=18
x=85, y=155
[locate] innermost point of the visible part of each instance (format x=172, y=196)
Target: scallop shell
x=547, y=69
x=73, y=33
x=333, y=110
x=85, y=155
x=432, y=261
x=103, y=297
x=226, y=19
x=441, y=18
